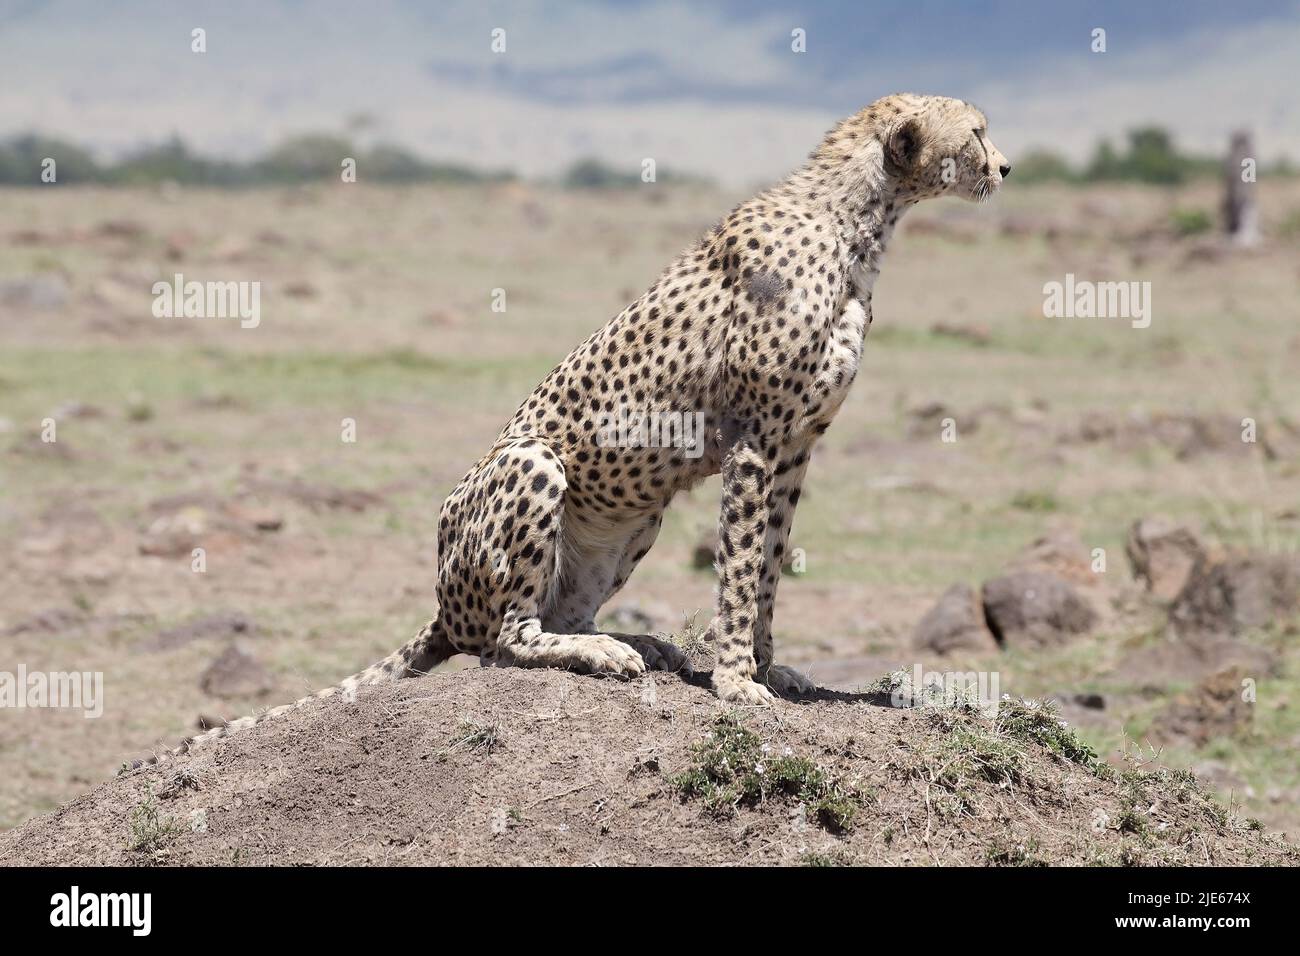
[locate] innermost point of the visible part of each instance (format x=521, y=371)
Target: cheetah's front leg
x=742, y=526
x=782, y=500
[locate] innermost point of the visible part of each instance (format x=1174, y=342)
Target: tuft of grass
x=1190, y=222
x=965, y=753
x=898, y=689
x=1010, y=852
x=1040, y=502
x=1130, y=819
x=692, y=639
x=475, y=737
x=151, y=831
x=1039, y=722
x=732, y=767
x=969, y=751
x=813, y=858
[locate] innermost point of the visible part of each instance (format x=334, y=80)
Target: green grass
x=31, y=378
x=733, y=767
x=965, y=751
x=1010, y=851
x=150, y=830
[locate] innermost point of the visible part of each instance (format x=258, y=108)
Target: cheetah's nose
x=1005, y=170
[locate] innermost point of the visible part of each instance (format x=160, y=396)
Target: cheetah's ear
x=904, y=144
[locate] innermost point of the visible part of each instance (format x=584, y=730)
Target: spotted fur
x=759, y=325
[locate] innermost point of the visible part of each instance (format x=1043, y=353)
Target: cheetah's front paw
x=598, y=654
x=744, y=693
x=788, y=682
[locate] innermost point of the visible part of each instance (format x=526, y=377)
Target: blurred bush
x=1149, y=156
x=1190, y=222
x=307, y=158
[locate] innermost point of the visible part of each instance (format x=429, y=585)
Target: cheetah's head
x=936, y=146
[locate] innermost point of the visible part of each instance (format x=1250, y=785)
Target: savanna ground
x=376, y=306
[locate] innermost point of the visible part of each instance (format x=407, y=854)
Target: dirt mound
x=500, y=766
x=1241, y=593
x=1217, y=707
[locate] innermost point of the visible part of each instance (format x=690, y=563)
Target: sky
x=710, y=88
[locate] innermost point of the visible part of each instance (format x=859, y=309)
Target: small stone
x=956, y=622
x=236, y=673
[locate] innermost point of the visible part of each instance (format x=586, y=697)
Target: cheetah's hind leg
x=518, y=554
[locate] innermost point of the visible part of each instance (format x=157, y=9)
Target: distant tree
x=392, y=164
x=1152, y=158
x=592, y=173
x=21, y=158
x=306, y=157
x=1041, y=165
x=1105, y=163
x=173, y=162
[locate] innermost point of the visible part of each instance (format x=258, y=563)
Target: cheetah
x=756, y=330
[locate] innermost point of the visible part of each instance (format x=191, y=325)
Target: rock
x=1162, y=555
x=955, y=623
x=317, y=496
x=706, y=549
x=43, y=292
x=121, y=229
x=178, y=533
x=1184, y=434
x=236, y=673
x=442, y=318
x=258, y=517
x=1280, y=439
x=301, y=289
x=628, y=619
x=214, y=625
x=1219, y=776
x=1240, y=593
x=52, y=621
x=973, y=334
x=1035, y=609
x=1214, y=708
x=1192, y=658
x=927, y=420
x=1061, y=553
x=75, y=409
x=32, y=444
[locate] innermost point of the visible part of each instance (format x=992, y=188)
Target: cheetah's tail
x=429, y=648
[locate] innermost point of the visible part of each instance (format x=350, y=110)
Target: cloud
x=1202, y=87
x=703, y=88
